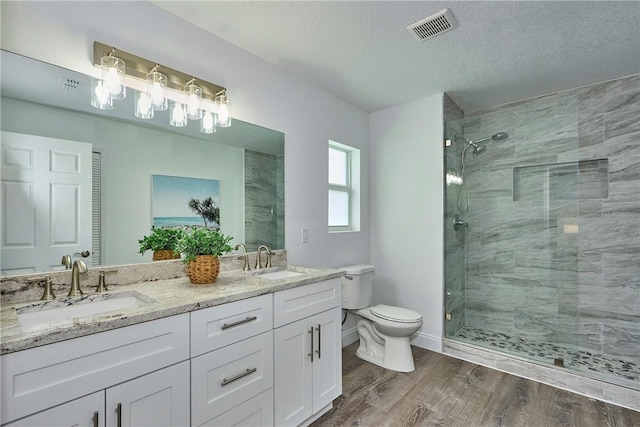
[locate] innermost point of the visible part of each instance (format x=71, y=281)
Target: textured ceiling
x=501, y=51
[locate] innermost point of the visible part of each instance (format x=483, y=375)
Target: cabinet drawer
x=255, y=412
x=86, y=411
x=297, y=303
x=225, y=378
x=216, y=327
x=42, y=377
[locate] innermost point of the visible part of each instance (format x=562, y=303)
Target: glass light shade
x=144, y=107
x=224, y=110
x=178, y=115
x=100, y=97
x=113, y=72
x=158, y=90
x=194, y=103
x=208, y=122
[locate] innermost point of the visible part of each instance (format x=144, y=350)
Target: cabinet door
x=157, y=399
x=86, y=411
x=293, y=373
x=327, y=362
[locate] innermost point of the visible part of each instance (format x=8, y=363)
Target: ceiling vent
x=70, y=83
x=433, y=25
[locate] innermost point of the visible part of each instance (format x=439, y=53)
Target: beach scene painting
x=178, y=201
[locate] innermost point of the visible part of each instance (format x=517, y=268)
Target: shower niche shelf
x=586, y=179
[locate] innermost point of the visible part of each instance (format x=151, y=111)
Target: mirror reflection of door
x=46, y=199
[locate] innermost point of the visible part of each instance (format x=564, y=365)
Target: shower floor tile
x=576, y=359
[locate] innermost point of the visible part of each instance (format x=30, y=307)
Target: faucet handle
x=48, y=291
x=102, y=285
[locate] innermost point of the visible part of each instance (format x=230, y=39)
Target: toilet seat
x=395, y=314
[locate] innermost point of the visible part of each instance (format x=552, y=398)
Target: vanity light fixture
x=178, y=115
x=224, y=109
x=194, y=101
x=144, y=106
x=100, y=97
x=155, y=87
x=208, y=122
x=113, y=72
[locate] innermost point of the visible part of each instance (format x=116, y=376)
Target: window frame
x=347, y=188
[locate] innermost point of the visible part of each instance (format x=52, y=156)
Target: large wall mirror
x=43, y=105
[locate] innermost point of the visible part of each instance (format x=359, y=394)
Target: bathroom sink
x=73, y=310
x=277, y=273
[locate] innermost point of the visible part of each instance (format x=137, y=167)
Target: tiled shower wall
x=552, y=251
x=264, y=200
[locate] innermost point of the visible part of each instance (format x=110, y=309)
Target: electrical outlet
x=304, y=234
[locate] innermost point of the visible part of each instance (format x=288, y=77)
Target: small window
x=344, y=187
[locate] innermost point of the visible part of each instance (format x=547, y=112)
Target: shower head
x=478, y=149
x=497, y=137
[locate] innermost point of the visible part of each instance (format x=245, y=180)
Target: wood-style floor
x=444, y=391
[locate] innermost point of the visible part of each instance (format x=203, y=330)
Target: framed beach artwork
x=181, y=201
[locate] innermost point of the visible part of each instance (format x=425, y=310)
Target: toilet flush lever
x=346, y=276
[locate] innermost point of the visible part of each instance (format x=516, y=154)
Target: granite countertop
x=163, y=298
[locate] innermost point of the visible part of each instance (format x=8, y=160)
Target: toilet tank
x=357, y=285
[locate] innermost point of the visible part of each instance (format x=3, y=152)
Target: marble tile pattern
x=552, y=251
x=264, y=200
x=167, y=297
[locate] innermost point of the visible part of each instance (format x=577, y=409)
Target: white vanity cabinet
x=43, y=377
x=232, y=364
x=307, y=351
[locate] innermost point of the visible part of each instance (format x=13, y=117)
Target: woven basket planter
x=165, y=254
x=204, y=269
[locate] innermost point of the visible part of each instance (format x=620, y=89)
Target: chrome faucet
x=79, y=266
x=246, y=267
x=259, y=261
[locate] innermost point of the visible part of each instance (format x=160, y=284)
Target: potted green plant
x=163, y=242
x=201, y=247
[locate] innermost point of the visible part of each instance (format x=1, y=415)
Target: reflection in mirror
x=52, y=113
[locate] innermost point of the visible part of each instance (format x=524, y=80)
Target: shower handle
x=458, y=223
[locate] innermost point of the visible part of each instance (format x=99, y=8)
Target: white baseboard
x=349, y=336
x=428, y=342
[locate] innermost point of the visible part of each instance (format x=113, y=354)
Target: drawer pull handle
x=119, y=412
x=227, y=381
x=95, y=419
x=319, y=329
x=239, y=322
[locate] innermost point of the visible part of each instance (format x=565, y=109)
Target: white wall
x=407, y=211
x=62, y=33
x=406, y=141
x=130, y=155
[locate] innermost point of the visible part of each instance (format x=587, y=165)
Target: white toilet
x=384, y=330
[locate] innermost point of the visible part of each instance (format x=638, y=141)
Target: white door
x=86, y=411
x=293, y=373
x=327, y=364
x=157, y=399
x=46, y=201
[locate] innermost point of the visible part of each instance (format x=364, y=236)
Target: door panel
x=46, y=201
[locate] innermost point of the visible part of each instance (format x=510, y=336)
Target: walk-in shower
x=542, y=231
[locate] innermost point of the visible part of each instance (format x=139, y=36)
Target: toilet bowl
x=384, y=330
